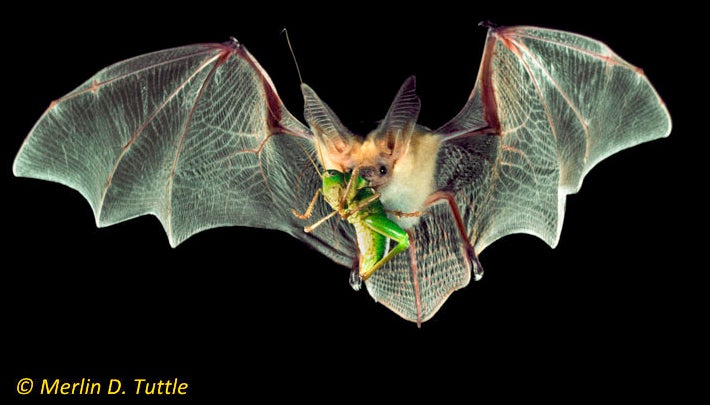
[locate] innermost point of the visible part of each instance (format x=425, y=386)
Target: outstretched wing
x=547, y=106
x=196, y=136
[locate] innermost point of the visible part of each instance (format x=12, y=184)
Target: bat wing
x=547, y=106
x=196, y=136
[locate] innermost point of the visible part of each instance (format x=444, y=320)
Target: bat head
x=376, y=154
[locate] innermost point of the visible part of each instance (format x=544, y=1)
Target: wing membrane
x=558, y=103
x=196, y=136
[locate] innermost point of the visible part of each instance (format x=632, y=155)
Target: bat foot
x=355, y=280
x=476, y=267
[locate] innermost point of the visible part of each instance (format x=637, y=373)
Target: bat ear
x=394, y=132
x=329, y=131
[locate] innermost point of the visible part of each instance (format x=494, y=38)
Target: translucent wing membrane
x=548, y=106
x=416, y=283
x=196, y=136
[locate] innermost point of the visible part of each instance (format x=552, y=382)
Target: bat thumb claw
x=488, y=24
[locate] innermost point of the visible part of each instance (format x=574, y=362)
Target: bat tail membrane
x=440, y=260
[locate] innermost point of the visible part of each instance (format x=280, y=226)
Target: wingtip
x=669, y=119
x=15, y=170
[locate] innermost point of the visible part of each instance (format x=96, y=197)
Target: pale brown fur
x=409, y=179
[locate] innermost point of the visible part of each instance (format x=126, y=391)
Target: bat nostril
x=367, y=172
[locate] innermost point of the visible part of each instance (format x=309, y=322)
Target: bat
x=198, y=137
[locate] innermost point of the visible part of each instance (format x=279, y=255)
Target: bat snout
x=367, y=172
x=375, y=175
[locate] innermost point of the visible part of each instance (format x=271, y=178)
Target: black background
x=609, y=311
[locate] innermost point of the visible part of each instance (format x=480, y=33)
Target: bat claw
x=355, y=280
x=476, y=267
x=488, y=24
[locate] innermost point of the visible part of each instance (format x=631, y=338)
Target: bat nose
x=368, y=172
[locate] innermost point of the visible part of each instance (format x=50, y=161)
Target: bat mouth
x=376, y=183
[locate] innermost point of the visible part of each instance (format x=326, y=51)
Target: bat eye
x=383, y=170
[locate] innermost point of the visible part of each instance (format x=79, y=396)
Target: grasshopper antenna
x=293, y=54
x=309, y=209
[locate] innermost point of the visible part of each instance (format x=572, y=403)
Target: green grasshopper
x=354, y=200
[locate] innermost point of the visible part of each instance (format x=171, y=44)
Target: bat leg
x=466, y=246
x=401, y=214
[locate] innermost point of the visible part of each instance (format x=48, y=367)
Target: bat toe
x=355, y=280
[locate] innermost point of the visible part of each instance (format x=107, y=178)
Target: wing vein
x=95, y=86
x=609, y=58
x=521, y=47
x=145, y=124
x=178, y=149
